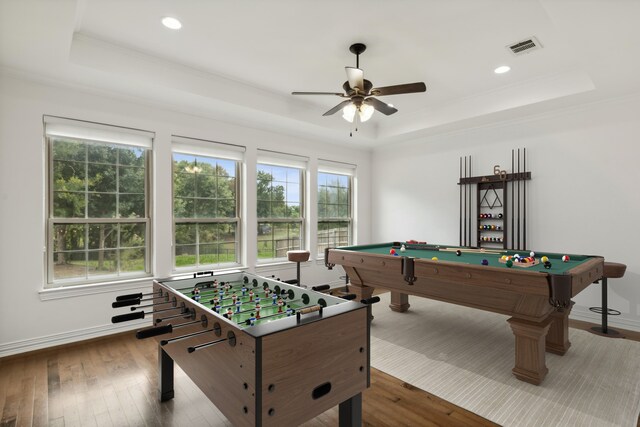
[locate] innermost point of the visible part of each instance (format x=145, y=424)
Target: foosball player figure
x=289, y=310
x=280, y=304
x=229, y=313
x=244, y=290
x=215, y=301
x=274, y=297
x=267, y=292
x=257, y=300
x=238, y=306
x=196, y=294
x=227, y=286
x=217, y=308
x=252, y=319
x=234, y=298
x=251, y=295
x=258, y=311
x=221, y=293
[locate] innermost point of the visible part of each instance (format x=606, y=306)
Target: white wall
x=26, y=320
x=583, y=196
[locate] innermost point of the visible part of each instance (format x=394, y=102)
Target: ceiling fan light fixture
x=171, y=23
x=349, y=112
x=365, y=112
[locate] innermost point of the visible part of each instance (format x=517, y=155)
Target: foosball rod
x=140, y=315
x=137, y=296
x=166, y=329
x=181, y=337
x=185, y=314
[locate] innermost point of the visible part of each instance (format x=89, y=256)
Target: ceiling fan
x=361, y=94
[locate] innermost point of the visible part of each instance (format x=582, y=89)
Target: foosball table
x=266, y=353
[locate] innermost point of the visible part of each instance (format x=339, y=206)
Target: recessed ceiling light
x=172, y=23
x=502, y=69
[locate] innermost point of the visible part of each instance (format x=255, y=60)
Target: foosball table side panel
x=314, y=367
x=224, y=373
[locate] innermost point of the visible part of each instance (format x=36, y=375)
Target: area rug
x=466, y=355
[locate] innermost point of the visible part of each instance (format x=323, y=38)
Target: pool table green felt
x=430, y=251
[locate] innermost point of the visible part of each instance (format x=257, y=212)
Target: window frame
x=302, y=170
x=237, y=220
x=52, y=221
x=350, y=208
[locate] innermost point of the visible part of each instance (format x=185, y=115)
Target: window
x=99, y=222
x=280, y=210
x=334, y=208
x=205, y=210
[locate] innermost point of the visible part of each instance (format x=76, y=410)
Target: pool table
x=538, y=299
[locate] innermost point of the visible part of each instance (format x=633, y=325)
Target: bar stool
x=297, y=257
x=611, y=270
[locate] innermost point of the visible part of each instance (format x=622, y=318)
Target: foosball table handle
x=308, y=310
x=371, y=300
x=126, y=317
x=154, y=331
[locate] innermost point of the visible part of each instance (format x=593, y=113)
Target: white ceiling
x=239, y=60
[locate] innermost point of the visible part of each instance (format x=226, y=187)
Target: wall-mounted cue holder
x=494, y=206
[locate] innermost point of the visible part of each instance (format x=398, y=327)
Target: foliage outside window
x=334, y=210
x=205, y=209
x=98, y=215
x=280, y=217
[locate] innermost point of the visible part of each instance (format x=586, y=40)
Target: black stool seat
x=611, y=270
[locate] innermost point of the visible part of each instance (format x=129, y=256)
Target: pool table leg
x=530, y=347
x=399, y=302
x=558, y=336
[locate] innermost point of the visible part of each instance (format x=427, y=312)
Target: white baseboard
x=584, y=314
x=17, y=347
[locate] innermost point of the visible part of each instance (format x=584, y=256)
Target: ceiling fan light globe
x=365, y=112
x=349, y=112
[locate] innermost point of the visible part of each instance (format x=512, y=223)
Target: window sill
x=95, y=288
x=279, y=265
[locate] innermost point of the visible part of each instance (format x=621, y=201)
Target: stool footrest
x=610, y=311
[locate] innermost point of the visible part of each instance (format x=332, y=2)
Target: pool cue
x=473, y=250
x=524, y=201
x=460, y=209
x=518, y=222
x=469, y=202
x=513, y=173
x=465, y=202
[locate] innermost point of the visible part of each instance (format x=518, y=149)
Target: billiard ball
x=516, y=256
x=509, y=263
x=403, y=248
x=547, y=265
x=499, y=215
x=565, y=258
x=485, y=262
x=392, y=251
x=458, y=252
x=435, y=258
x=532, y=254
x=544, y=259
x=395, y=254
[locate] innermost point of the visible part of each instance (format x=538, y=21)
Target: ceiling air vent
x=525, y=46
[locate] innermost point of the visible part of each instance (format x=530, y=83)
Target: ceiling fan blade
x=317, y=93
x=399, y=89
x=383, y=107
x=337, y=108
x=355, y=76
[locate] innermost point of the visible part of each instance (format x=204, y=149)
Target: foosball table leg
x=166, y=375
x=350, y=412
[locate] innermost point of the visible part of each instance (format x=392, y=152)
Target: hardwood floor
x=113, y=382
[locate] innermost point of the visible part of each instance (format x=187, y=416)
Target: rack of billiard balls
x=491, y=216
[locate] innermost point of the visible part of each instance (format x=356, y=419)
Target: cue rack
x=493, y=208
